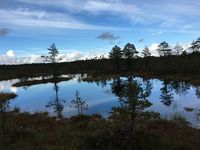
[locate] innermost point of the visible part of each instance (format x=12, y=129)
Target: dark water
x=168, y=98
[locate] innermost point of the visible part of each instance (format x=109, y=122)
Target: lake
x=168, y=98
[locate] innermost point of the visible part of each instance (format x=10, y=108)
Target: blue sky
x=28, y=27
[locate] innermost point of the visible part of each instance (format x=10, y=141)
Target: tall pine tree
x=129, y=51
x=164, y=49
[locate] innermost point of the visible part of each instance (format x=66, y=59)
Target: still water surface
x=168, y=98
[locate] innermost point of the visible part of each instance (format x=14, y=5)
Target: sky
x=89, y=28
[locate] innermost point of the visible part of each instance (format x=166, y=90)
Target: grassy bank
x=93, y=77
x=187, y=78
x=35, y=82
x=6, y=96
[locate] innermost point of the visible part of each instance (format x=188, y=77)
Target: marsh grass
x=179, y=119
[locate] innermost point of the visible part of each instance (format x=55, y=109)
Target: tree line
x=164, y=49
x=119, y=61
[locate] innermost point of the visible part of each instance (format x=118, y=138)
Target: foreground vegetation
x=4, y=104
x=38, y=132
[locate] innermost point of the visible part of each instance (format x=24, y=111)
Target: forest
x=120, y=61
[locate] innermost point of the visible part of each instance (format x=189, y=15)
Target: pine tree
x=116, y=53
x=79, y=104
x=129, y=51
x=164, y=49
x=166, y=94
x=146, y=52
x=197, y=45
x=192, y=46
x=51, y=58
x=178, y=49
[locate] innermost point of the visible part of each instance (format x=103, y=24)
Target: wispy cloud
x=141, y=40
x=97, y=7
x=166, y=13
x=157, y=33
x=68, y=22
x=4, y=31
x=108, y=36
x=11, y=58
x=45, y=19
x=148, y=15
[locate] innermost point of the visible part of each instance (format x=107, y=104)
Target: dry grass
x=7, y=96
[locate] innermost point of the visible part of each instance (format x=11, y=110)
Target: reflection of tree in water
x=180, y=88
x=197, y=91
x=117, y=87
x=197, y=115
x=102, y=83
x=166, y=94
x=132, y=99
x=56, y=103
x=174, y=107
x=148, y=87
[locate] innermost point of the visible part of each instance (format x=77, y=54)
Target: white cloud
x=10, y=53
x=13, y=89
x=64, y=57
x=77, y=55
x=153, y=49
x=157, y=33
x=73, y=55
x=6, y=86
x=186, y=47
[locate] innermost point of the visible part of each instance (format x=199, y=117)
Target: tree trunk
x=3, y=123
x=54, y=70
